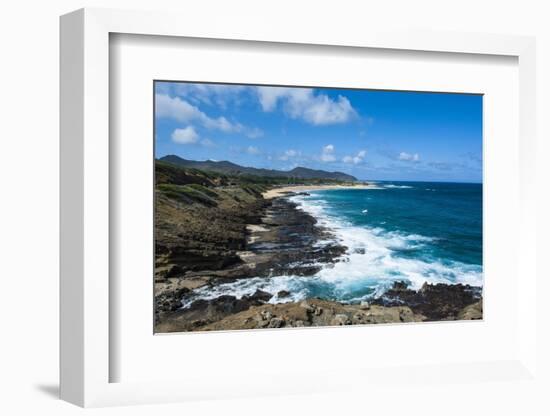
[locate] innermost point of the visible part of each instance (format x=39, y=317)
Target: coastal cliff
x=213, y=229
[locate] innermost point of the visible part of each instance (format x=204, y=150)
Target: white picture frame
x=86, y=356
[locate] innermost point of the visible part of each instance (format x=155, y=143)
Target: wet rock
x=399, y=286
x=289, y=246
x=303, y=270
x=283, y=294
x=258, y=296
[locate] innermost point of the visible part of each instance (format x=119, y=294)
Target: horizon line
x=328, y=171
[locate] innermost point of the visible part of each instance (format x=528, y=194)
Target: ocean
x=403, y=231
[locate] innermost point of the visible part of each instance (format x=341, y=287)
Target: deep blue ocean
x=450, y=214
x=403, y=231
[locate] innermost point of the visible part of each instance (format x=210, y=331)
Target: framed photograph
x=265, y=206
x=328, y=207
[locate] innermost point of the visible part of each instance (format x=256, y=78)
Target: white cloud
x=358, y=158
x=181, y=110
x=408, y=157
x=288, y=154
x=220, y=123
x=269, y=96
x=252, y=150
x=254, y=133
x=305, y=104
x=188, y=135
x=210, y=94
x=176, y=108
x=208, y=143
x=328, y=153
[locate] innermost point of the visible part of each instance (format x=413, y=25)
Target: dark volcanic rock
x=203, y=312
x=169, y=302
x=216, y=245
x=221, y=305
x=196, y=260
x=399, y=287
x=258, y=296
x=436, y=302
x=194, y=237
x=291, y=244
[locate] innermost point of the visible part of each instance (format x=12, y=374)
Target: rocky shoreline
x=439, y=302
x=247, y=236
x=281, y=240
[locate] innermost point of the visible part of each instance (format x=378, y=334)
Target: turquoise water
x=403, y=231
x=448, y=215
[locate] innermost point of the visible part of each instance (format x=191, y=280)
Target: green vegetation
x=190, y=185
x=188, y=193
x=168, y=173
x=203, y=189
x=255, y=189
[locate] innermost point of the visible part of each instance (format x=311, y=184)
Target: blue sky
x=376, y=135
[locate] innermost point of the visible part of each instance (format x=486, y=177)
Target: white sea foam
x=246, y=287
x=391, y=186
x=373, y=259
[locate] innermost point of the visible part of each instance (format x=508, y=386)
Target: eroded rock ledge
x=282, y=240
x=431, y=302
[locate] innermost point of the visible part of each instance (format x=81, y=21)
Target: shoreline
x=210, y=233
x=265, y=238
x=284, y=190
x=269, y=246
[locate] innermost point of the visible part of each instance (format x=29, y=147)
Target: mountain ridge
x=227, y=167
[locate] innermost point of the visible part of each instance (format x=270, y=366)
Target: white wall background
x=29, y=205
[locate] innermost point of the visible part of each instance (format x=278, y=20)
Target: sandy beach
x=277, y=192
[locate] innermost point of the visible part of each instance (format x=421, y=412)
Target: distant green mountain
x=229, y=168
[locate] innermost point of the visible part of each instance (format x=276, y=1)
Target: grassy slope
x=201, y=216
